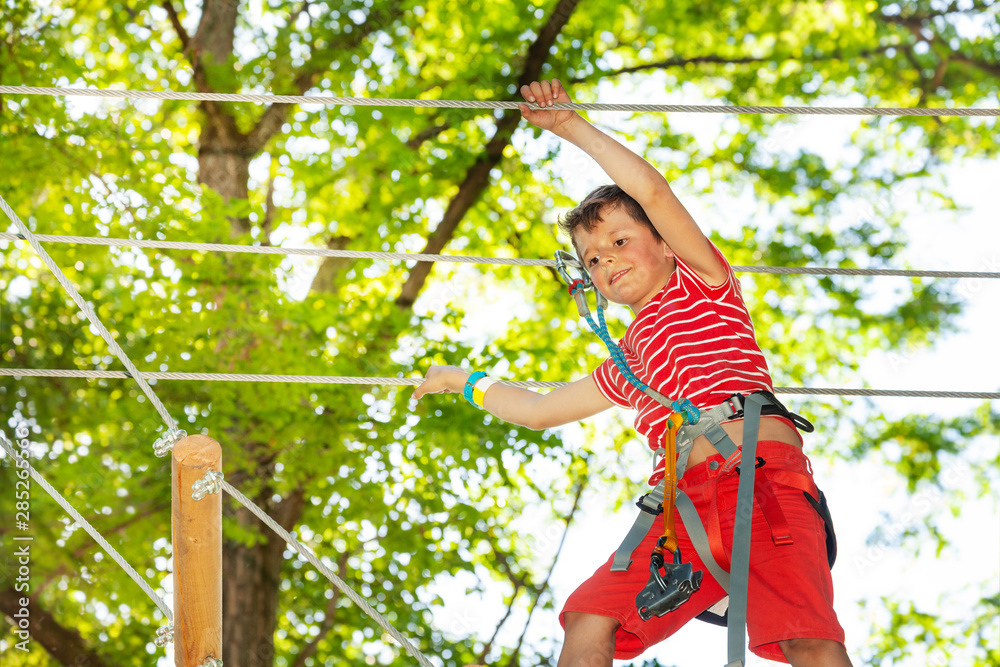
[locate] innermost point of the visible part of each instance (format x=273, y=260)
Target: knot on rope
x=576, y=284
x=687, y=409
x=164, y=635
x=166, y=442
x=209, y=484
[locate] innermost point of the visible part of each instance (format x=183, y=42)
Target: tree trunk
x=224, y=166
x=223, y=151
x=477, y=179
x=64, y=644
x=250, y=578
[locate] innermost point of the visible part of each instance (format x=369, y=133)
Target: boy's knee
x=590, y=640
x=592, y=624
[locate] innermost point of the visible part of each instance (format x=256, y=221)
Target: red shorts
x=790, y=591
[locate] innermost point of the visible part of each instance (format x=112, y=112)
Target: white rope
x=172, y=430
x=388, y=381
x=242, y=377
x=276, y=250
x=89, y=313
x=887, y=393
x=110, y=550
x=490, y=104
x=465, y=259
x=328, y=573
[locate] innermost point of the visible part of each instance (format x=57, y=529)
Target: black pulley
x=670, y=585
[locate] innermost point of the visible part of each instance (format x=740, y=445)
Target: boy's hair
x=588, y=213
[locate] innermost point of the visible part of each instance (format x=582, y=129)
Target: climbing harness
x=672, y=583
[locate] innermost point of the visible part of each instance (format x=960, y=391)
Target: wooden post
x=197, y=538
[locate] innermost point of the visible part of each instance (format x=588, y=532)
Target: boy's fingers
x=557, y=90
x=536, y=92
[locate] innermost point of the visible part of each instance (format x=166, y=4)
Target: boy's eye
x=592, y=261
x=620, y=242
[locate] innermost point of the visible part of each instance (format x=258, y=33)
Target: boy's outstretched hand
x=546, y=93
x=442, y=380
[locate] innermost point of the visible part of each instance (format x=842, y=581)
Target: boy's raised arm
x=632, y=174
x=573, y=402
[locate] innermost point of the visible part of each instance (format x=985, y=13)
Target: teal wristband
x=470, y=384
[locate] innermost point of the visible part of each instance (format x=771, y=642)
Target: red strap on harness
x=765, y=500
x=796, y=480
x=781, y=534
x=714, y=531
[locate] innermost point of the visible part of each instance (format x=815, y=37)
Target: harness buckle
x=735, y=403
x=667, y=591
x=760, y=464
x=641, y=504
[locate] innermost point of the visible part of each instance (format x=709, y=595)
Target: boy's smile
x=626, y=261
x=616, y=276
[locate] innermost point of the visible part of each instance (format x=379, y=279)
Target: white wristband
x=479, y=390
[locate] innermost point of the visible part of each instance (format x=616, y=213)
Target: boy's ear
x=667, y=252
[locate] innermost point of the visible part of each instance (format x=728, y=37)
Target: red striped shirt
x=690, y=341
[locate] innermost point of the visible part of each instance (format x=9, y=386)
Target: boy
x=692, y=338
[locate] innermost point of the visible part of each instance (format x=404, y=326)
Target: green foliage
x=397, y=495
x=911, y=632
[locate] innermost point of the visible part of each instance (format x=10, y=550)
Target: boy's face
x=626, y=261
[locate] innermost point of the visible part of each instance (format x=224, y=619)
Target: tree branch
x=175, y=21
x=271, y=120
x=503, y=564
x=953, y=8
x=425, y=135
x=88, y=544
x=539, y=591
x=191, y=48
x=510, y=608
x=916, y=24
x=329, y=615
x=721, y=60
x=324, y=279
x=477, y=178
x=993, y=69
x=65, y=645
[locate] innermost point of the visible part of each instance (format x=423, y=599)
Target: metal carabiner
x=564, y=261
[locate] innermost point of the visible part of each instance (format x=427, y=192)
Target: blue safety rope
x=681, y=406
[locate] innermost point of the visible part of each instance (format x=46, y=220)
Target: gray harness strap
x=739, y=571
x=699, y=538
x=736, y=581
x=708, y=426
x=651, y=505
